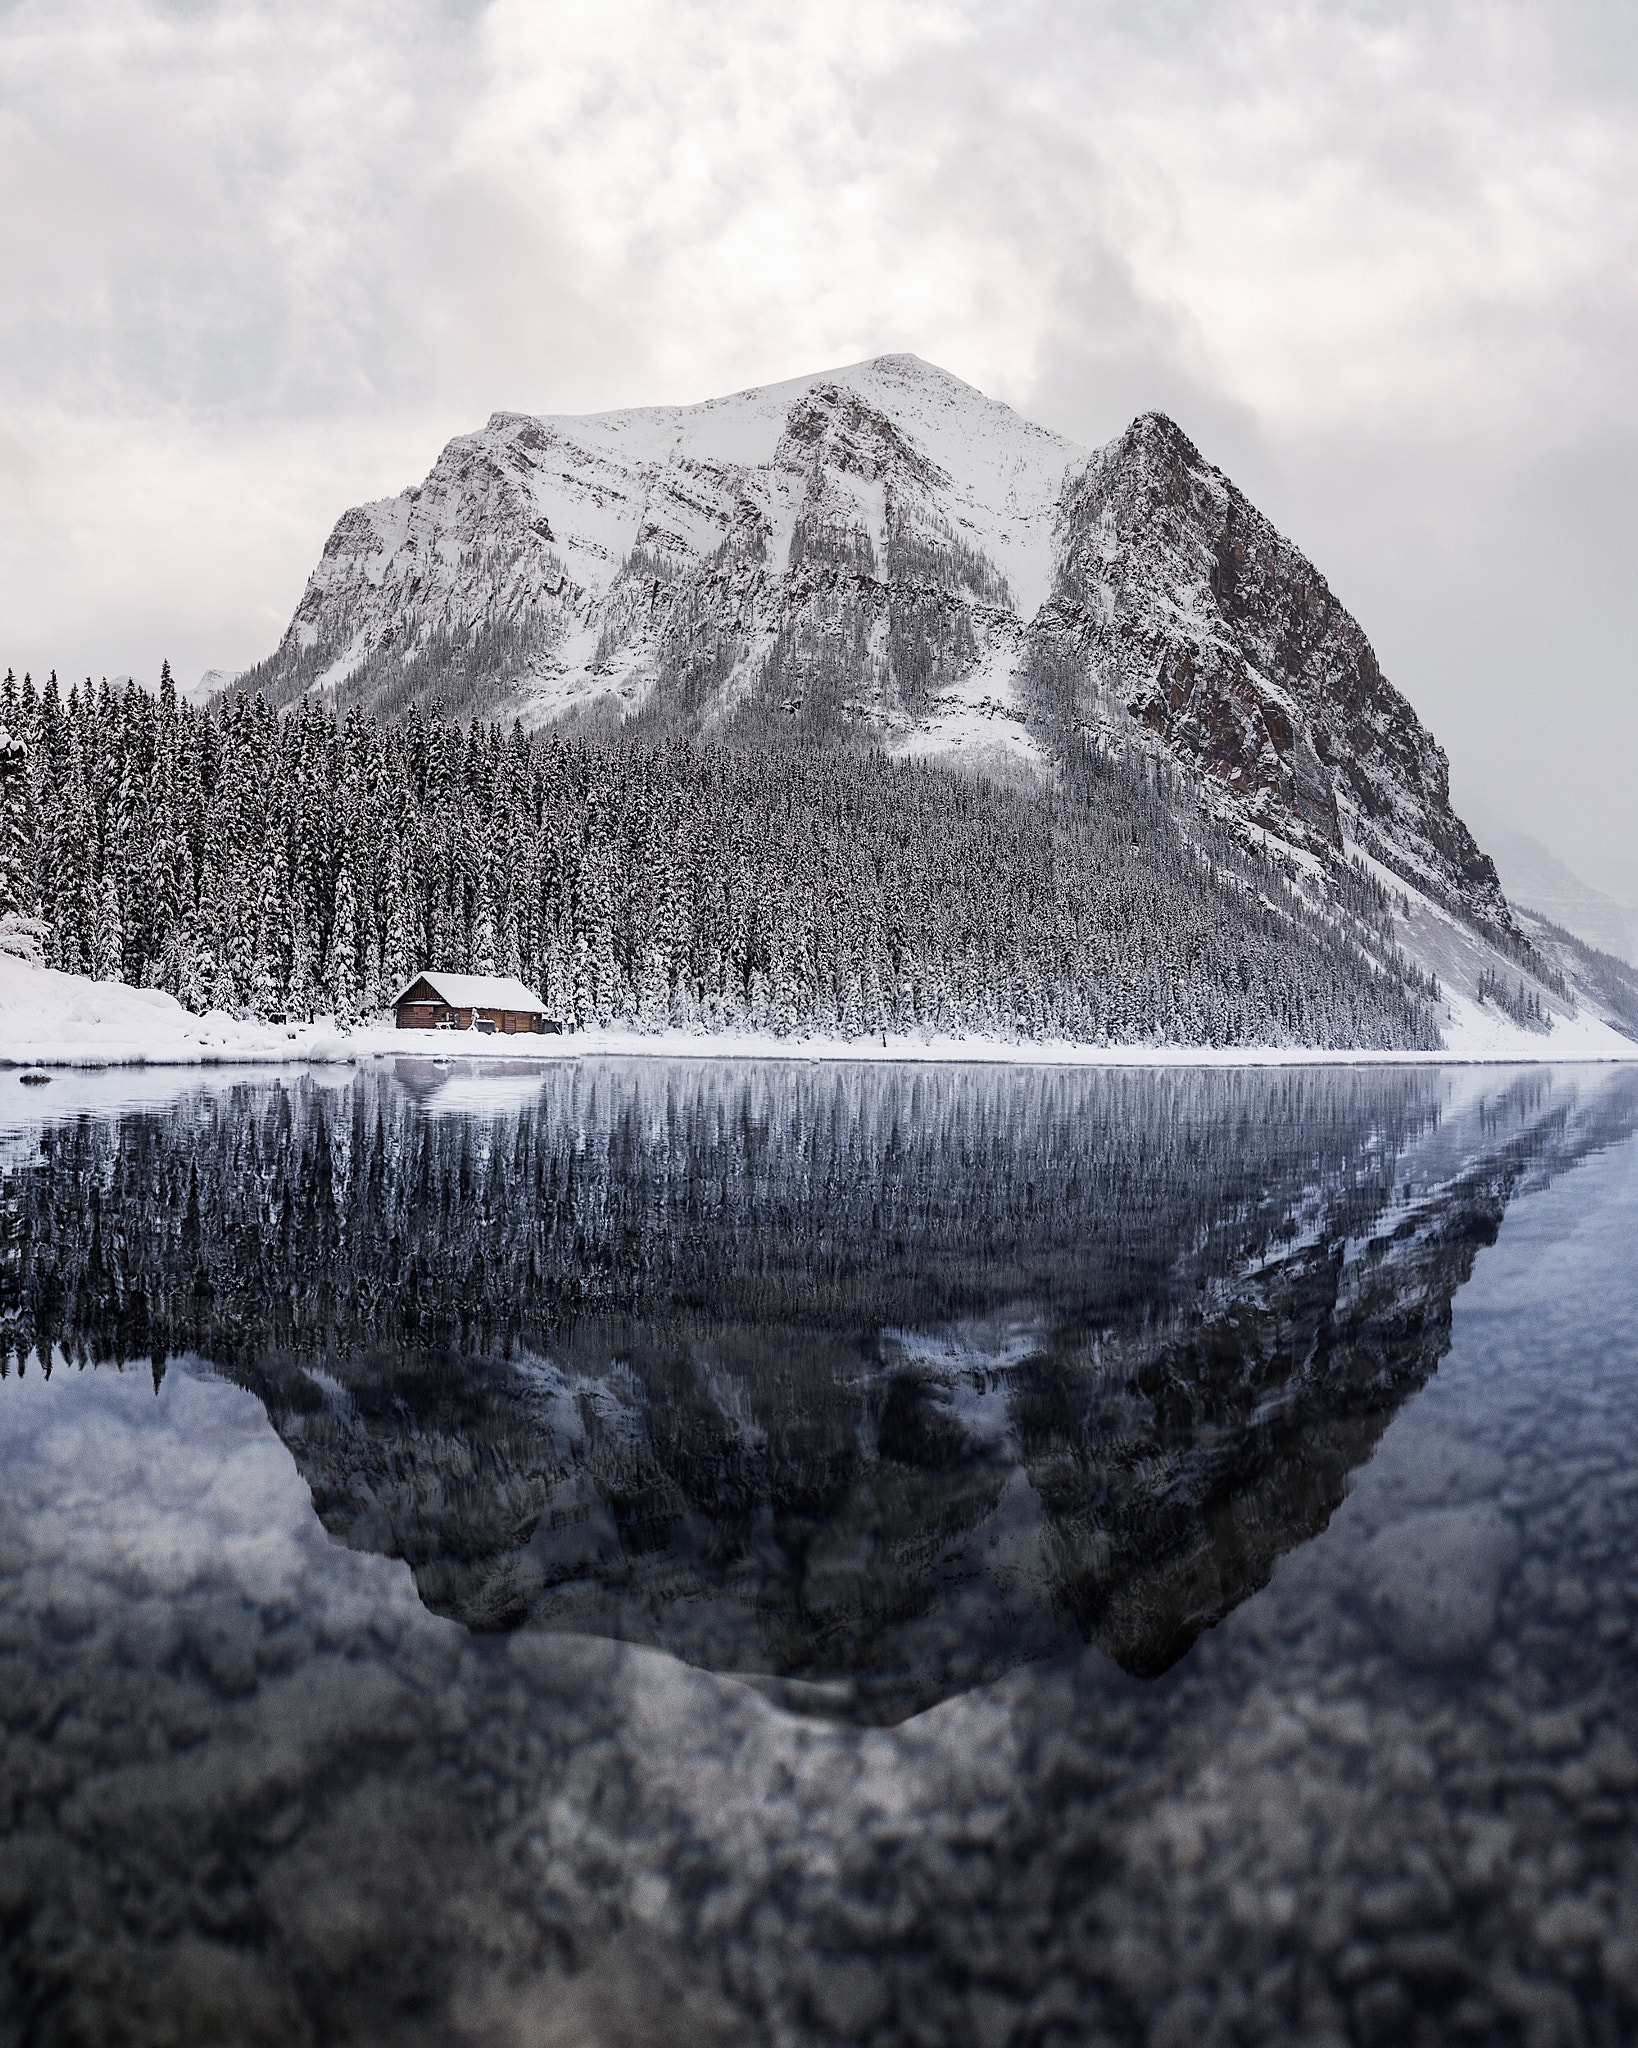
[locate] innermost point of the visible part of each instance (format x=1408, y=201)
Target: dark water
x=806, y=1554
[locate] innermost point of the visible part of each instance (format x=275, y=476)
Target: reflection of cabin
x=467, y=1002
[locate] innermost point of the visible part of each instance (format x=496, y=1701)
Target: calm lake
x=662, y=1552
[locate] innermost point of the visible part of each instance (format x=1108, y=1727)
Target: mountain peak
x=882, y=555
x=914, y=369
x=1158, y=434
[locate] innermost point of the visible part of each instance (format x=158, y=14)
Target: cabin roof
x=475, y=992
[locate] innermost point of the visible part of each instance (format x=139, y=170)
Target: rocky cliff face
x=834, y=550
x=882, y=555
x=1189, y=614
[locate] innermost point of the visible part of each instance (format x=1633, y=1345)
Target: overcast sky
x=259, y=259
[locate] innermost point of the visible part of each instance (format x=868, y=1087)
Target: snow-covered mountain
x=883, y=554
x=1537, y=881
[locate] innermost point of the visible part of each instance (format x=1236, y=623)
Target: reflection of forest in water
x=880, y=1377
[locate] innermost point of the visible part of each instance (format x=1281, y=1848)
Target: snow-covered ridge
x=534, y=522
x=842, y=548
x=881, y=554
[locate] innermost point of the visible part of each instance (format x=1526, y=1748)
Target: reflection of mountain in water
x=885, y=1378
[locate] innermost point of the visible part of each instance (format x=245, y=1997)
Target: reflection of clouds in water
x=279, y=1735
x=457, y=1093
x=165, y=1495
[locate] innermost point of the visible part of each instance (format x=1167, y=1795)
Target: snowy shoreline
x=53, y=1020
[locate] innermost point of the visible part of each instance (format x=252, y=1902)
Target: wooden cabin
x=471, y=1002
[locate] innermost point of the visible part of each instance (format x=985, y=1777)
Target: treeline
x=1523, y=1005
x=286, y=865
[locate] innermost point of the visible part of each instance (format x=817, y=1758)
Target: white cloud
x=125, y=542
x=257, y=259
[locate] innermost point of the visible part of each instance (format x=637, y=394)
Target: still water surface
x=674, y=1552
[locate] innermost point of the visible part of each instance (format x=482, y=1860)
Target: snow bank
x=66, y=1020
x=1480, y=1031
x=53, y=1019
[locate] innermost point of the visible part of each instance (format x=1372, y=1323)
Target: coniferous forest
x=287, y=865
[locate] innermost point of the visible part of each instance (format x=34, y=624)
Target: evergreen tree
x=298, y=1000
x=108, y=940
x=396, y=966
x=341, y=961
x=484, y=952
x=15, y=835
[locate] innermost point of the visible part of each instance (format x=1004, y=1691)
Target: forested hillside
x=284, y=865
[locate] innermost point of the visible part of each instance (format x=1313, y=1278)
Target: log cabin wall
x=428, y=1016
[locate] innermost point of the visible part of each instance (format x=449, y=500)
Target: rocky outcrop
x=1432, y=1581
x=1220, y=638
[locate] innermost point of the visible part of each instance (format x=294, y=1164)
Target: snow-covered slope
x=55, y=1019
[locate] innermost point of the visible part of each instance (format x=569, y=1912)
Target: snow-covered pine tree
x=485, y=955
x=341, y=956
x=15, y=835
x=299, y=995
x=23, y=936
x=108, y=936
x=509, y=958
x=396, y=964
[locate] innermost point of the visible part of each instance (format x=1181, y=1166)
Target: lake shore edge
x=361, y=1047
x=49, y=1019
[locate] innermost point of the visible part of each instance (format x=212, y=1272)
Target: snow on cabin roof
x=476, y=992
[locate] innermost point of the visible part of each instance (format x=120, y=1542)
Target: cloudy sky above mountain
x=260, y=258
